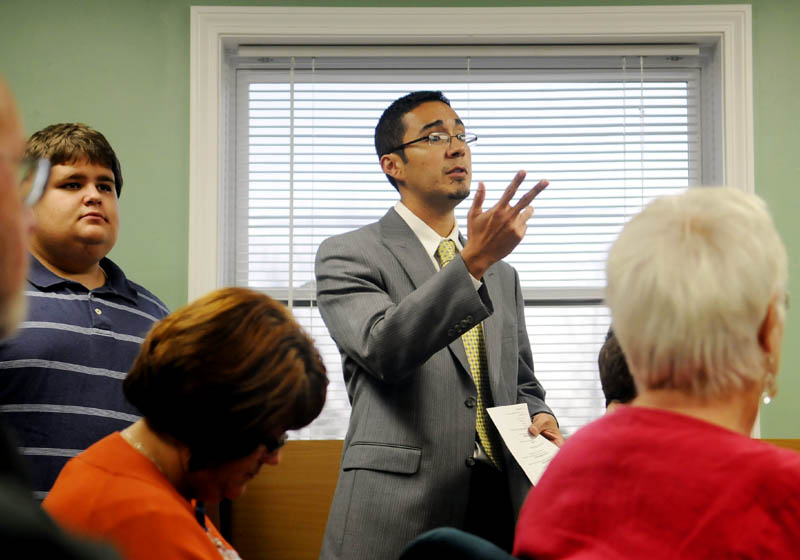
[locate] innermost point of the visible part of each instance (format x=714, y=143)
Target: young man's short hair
x=390, y=128
x=67, y=143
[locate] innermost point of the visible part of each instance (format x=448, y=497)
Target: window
x=609, y=135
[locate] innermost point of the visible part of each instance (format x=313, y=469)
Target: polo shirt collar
x=116, y=282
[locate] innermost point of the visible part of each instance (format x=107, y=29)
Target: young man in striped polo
x=61, y=375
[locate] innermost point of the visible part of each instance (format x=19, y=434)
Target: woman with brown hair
x=218, y=383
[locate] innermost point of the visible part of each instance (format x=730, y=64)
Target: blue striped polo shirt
x=61, y=374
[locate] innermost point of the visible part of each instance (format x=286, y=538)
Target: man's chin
x=460, y=194
x=99, y=242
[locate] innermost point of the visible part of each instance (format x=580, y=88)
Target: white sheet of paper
x=532, y=453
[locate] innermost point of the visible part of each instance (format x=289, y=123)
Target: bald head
x=15, y=220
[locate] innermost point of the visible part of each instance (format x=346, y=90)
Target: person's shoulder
x=782, y=464
x=503, y=269
x=145, y=300
x=148, y=299
x=366, y=231
x=356, y=240
x=610, y=431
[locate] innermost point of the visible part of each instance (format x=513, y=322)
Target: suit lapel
x=406, y=248
x=411, y=255
x=493, y=329
x=460, y=353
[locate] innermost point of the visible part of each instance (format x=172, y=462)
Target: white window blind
x=610, y=133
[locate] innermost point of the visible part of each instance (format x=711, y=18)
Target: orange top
x=113, y=492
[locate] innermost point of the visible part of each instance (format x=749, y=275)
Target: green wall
x=123, y=67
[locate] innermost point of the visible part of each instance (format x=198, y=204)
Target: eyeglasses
x=32, y=178
x=439, y=139
x=273, y=444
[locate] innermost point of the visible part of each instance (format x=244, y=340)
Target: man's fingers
x=528, y=197
x=554, y=436
x=477, y=202
x=520, y=223
x=511, y=189
x=524, y=216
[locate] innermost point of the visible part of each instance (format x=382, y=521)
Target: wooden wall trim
x=283, y=513
x=793, y=444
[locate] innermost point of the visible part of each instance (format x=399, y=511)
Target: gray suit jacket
x=398, y=325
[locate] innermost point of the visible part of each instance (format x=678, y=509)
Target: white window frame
x=215, y=28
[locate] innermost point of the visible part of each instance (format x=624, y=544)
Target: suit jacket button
x=469, y=461
x=471, y=402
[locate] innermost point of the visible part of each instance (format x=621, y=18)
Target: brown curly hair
x=225, y=373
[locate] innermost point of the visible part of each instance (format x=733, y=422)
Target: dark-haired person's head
x=77, y=216
x=615, y=378
x=225, y=377
x=71, y=143
x=391, y=127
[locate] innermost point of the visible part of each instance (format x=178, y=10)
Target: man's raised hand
x=493, y=234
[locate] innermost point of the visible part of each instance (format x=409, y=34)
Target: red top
x=651, y=484
x=113, y=492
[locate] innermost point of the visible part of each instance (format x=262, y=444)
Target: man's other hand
x=545, y=424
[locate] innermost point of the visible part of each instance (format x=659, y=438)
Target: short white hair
x=690, y=279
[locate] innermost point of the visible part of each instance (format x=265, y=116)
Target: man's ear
x=394, y=166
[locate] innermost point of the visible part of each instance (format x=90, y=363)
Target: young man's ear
x=394, y=166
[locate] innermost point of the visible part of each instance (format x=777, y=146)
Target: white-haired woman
x=697, y=292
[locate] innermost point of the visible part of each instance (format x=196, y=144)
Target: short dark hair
x=390, y=128
x=225, y=374
x=615, y=377
x=67, y=143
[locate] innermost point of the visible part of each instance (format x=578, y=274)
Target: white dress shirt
x=428, y=237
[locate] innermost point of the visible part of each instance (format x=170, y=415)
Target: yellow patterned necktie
x=476, y=356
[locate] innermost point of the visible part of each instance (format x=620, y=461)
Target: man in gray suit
x=431, y=330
